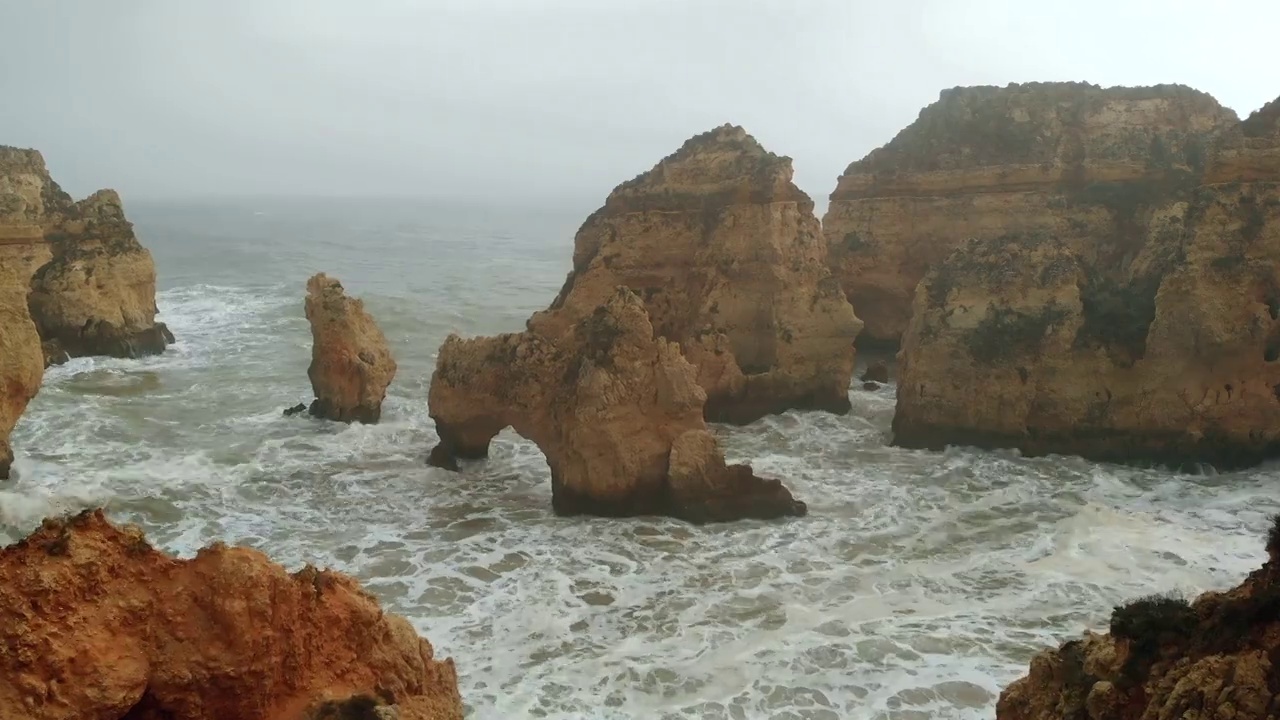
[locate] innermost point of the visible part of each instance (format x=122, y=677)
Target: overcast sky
x=526, y=100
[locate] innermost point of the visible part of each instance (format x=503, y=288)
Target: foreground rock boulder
x=1149, y=333
x=1218, y=657
x=617, y=412
x=21, y=364
x=92, y=285
x=351, y=364
x=1070, y=160
x=97, y=624
x=728, y=258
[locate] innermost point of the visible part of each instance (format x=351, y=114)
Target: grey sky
x=525, y=100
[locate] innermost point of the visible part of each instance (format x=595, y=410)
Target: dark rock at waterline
x=870, y=385
x=878, y=372
x=295, y=410
x=442, y=457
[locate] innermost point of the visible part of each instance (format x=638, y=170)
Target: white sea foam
x=919, y=585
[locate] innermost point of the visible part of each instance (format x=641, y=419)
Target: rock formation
x=1148, y=330
x=95, y=623
x=92, y=285
x=729, y=260
x=1218, y=657
x=21, y=363
x=351, y=365
x=617, y=412
x=987, y=162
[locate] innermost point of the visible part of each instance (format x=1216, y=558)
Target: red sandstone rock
x=96, y=624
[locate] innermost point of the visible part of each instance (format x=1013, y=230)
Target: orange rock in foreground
x=95, y=623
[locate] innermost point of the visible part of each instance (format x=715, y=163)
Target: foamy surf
x=920, y=584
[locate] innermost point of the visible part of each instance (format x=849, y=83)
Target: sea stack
x=1166, y=658
x=617, y=412
x=1142, y=325
x=92, y=286
x=98, y=624
x=728, y=259
x=990, y=162
x=351, y=364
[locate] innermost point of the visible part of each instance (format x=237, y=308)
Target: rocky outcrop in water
x=92, y=285
x=1218, y=657
x=728, y=258
x=351, y=364
x=95, y=623
x=21, y=364
x=617, y=412
x=1070, y=160
x=1151, y=332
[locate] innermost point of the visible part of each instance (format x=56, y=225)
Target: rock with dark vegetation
x=1141, y=325
x=1218, y=657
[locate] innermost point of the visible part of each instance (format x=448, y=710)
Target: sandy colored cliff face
x=351, y=364
x=92, y=285
x=1156, y=337
x=988, y=162
x=617, y=412
x=729, y=260
x=97, y=624
x=21, y=364
x=1216, y=658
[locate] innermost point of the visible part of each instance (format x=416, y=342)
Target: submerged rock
x=21, y=364
x=728, y=258
x=98, y=624
x=1149, y=333
x=92, y=285
x=1070, y=160
x=351, y=364
x=617, y=412
x=1164, y=658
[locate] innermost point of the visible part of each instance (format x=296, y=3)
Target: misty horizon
x=504, y=102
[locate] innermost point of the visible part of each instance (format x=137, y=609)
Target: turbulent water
x=918, y=586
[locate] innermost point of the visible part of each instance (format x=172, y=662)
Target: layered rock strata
x=1069, y=160
x=351, y=364
x=91, y=284
x=729, y=260
x=1148, y=332
x=97, y=624
x=1218, y=657
x=617, y=412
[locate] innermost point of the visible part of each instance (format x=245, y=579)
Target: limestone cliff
x=351, y=364
x=92, y=285
x=1154, y=337
x=21, y=363
x=1065, y=159
x=729, y=260
x=1218, y=657
x=95, y=623
x=617, y=412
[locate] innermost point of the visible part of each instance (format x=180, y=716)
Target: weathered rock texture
x=351, y=364
x=617, y=412
x=92, y=285
x=21, y=363
x=94, y=623
x=985, y=162
x=729, y=260
x=1216, y=658
x=1144, y=326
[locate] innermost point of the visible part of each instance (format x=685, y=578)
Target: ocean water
x=919, y=585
